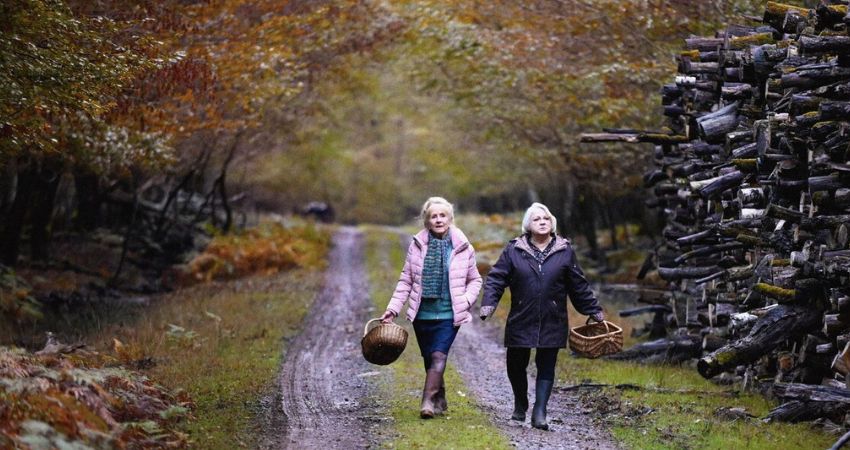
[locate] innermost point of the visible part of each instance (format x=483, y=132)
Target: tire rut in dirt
x=480, y=358
x=324, y=393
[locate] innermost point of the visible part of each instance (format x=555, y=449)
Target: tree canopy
x=371, y=106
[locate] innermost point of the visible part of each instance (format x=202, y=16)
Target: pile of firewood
x=753, y=184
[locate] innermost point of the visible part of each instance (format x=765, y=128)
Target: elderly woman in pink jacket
x=440, y=283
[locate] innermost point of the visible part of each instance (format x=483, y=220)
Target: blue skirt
x=434, y=336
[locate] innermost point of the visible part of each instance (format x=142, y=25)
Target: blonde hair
x=436, y=201
x=526, y=220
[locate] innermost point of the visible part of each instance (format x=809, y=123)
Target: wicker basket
x=384, y=343
x=593, y=340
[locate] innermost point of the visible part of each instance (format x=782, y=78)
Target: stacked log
x=752, y=180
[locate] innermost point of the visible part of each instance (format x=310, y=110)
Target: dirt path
x=324, y=399
x=324, y=381
x=479, y=355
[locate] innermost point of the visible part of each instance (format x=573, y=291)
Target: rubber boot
x=520, y=389
x=432, y=386
x=520, y=408
x=543, y=390
x=440, y=403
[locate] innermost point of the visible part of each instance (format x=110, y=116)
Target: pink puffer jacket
x=464, y=279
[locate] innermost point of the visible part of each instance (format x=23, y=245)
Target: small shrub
x=266, y=249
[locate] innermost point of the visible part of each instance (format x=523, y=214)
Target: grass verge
x=464, y=426
x=221, y=342
x=677, y=409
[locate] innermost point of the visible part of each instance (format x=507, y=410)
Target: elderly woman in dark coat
x=541, y=269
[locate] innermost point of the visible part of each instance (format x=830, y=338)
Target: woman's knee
x=546, y=360
x=438, y=361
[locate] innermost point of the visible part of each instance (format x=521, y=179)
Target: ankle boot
x=440, y=403
x=429, y=392
x=543, y=390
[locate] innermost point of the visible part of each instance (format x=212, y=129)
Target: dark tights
x=435, y=361
x=544, y=358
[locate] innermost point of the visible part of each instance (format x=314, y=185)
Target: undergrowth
x=219, y=344
x=64, y=397
x=266, y=249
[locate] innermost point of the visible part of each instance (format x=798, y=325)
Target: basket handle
x=604, y=322
x=366, y=328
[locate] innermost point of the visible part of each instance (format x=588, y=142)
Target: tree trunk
x=44, y=196
x=8, y=180
x=10, y=240
x=87, y=185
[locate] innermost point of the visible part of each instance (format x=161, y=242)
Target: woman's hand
x=388, y=317
x=599, y=317
x=486, y=311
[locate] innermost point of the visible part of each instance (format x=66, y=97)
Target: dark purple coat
x=538, y=316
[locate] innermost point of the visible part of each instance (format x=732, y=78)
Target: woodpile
x=753, y=183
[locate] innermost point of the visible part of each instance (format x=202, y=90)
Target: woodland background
x=109, y=108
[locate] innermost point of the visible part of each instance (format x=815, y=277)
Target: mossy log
x=830, y=182
x=808, y=402
x=814, y=76
x=736, y=91
x=722, y=183
x=708, y=250
x=704, y=44
x=824, y=44
x=774, y=13
x=782, y=213
x=742, y=42
x=746, y=164
x=819, y=222
x=666, y=350
x=714, y=126
x=803, y=103
x=782, y=322
x=835, y=110
x=680, y=273
x=609, y=137
x=780, y=294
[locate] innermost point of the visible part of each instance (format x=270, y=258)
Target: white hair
x=436, y=201
x=529, y=213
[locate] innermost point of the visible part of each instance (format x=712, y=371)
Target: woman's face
x=541, y=223
x=439, y=220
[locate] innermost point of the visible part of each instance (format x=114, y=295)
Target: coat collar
x=521, y=243
x=458, y=238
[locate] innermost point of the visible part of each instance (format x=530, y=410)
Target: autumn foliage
x=55, y=400
x=265, y=249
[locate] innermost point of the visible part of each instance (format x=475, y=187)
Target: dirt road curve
x=325, y=397
x=479, y=355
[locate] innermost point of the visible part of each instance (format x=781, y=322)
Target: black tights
x=544, y=358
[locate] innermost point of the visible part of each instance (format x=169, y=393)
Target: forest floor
x=328, y=392
x=272, y=360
